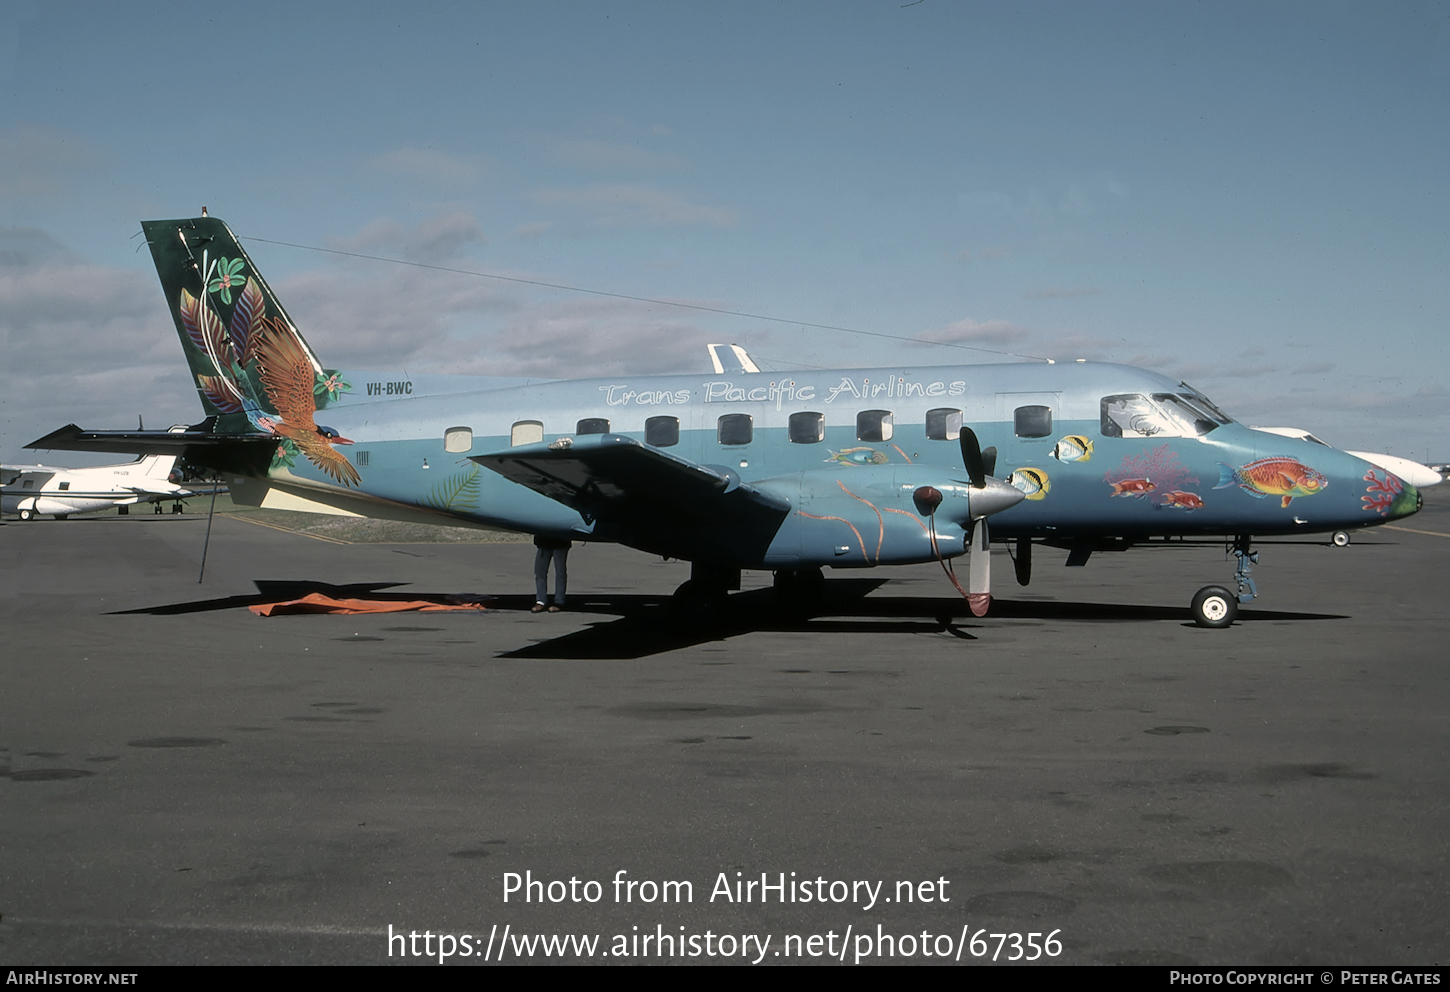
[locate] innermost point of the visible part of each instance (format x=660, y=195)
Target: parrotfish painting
x=1279, y=476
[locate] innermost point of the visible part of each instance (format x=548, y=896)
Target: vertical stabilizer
x=253, y=371
x=224, y=313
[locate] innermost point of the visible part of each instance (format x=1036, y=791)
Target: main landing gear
x=1215, y=606
x=704, y=600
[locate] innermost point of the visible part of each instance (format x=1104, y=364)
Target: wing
x=287, y=375
x=648, y=498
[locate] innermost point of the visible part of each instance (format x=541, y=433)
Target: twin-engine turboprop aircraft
x=790, y=472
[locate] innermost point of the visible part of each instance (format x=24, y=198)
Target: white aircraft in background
x=32, y=490
x=1407, y=469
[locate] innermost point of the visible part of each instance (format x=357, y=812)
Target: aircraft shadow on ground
x=642, y=626
x=644, y=629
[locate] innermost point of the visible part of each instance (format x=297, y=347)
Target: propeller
x=987, y=496
x=985, y=500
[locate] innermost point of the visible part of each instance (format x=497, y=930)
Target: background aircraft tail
x=226, y=316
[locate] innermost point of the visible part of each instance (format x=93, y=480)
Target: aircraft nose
x=1406, y=504
x=994, y=497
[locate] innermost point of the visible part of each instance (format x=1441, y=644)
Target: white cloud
x=83, y=343
x=362, y=314
x=434, y=239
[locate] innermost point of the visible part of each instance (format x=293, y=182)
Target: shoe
x=537, y=608
x=556, y=608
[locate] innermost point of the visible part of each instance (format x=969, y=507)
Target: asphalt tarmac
x=185, y=782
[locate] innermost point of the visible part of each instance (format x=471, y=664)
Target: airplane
x=1415, y=473
x=783, y=471
x=29, y=491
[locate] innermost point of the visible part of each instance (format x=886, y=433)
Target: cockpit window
x=1189, y=419
x=1204, y=403
x=1164, y=415
x=1130, y=415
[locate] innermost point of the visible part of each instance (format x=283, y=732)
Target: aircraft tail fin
x=226, y=316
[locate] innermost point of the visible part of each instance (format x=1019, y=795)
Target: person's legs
x=561, y=575
x=541, y=571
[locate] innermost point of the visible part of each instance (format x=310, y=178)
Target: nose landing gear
x=1215, y=606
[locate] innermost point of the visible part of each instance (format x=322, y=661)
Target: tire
x=1214, y=606
x=1341, y=539
x=61, y=516
x=27, y=514
x=695, y=607
x=799, y=590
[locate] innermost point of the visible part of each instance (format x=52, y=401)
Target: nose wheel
x=1214, y=606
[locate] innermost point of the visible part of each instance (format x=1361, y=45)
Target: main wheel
x=1214, y=606
x=799, y=589
x=698, y=607
x=61, y=516
x=1341, y=539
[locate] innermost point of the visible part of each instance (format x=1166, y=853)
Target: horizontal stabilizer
x=250, y=453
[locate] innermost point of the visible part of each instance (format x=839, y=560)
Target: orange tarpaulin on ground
x=316, y=602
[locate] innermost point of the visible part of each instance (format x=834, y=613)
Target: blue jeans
x=560, y=558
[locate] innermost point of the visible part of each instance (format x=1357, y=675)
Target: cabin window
x=592, y=425
x=662, y=432
x=736, y=428
x=943, y=424
x=1032, y=421
x=526, y=432
x=873, y=425
x=807, y=428
x=28, y=484
x=458, y=439
x=64, y=486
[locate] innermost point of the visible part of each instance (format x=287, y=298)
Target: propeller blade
x=972, y=457
x=979, y=571
x=989, y=460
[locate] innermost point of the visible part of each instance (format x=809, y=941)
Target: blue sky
x=1251, y=196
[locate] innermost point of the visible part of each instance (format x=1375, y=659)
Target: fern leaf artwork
x=457, y=492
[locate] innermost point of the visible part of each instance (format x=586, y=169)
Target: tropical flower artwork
x=228, y=273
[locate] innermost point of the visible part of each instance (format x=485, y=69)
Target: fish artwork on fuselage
x=1073, y=448
x=1033, y=483
x=790, y=472
x=1155, y=475
x=1279, y=476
